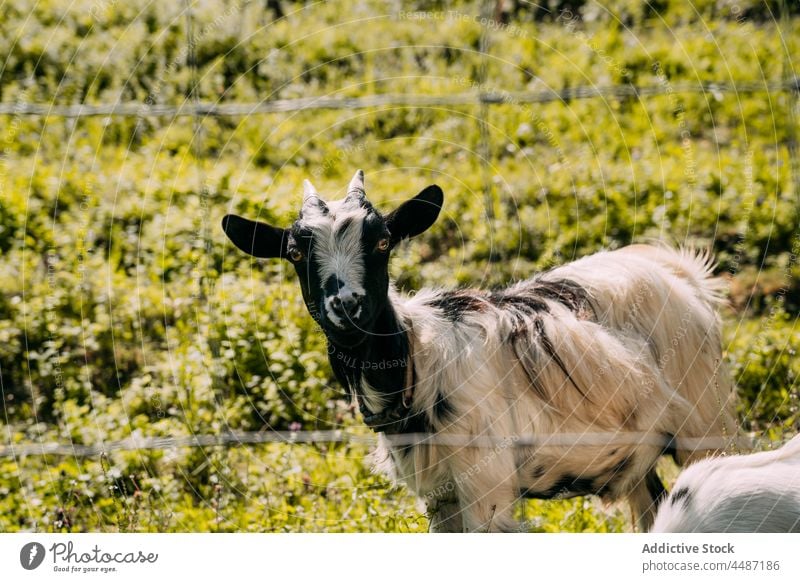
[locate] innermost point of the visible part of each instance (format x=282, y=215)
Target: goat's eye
x=383, y=245
x=295, y=254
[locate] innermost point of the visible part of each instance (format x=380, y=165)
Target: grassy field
x=123, y=311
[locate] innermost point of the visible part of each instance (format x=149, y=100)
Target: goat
x=609, y=362
x=757, y=493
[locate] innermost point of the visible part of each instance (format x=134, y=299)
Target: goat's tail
x=693, y=265
x=697, y=266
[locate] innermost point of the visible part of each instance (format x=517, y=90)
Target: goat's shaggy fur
x=607, y=362
x=737, y=494
x=623, y=342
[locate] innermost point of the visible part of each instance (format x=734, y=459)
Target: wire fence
x=234, y=439
x=491, y=97
x=484, y=97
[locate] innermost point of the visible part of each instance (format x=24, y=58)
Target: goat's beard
x=346, y=338
x=351, y=337
x=354, y=335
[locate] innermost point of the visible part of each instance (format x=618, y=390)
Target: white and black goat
x=603, y=364
x=757, y=493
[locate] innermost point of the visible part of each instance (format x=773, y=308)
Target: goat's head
x=340, y=251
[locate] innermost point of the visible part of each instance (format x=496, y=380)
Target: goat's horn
x=309, y=191
x=311, y=198
x=356, y=188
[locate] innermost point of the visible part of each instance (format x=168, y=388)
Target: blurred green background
x=123, y=311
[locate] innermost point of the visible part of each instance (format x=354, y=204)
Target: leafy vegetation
x=123, y=312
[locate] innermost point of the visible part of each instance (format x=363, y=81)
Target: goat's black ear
x=256, y=238
x=415, y=216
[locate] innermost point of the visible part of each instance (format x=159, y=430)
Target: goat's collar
x=392, y=419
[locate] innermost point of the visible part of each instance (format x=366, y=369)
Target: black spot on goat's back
x=565, y=291
x=529, y=299
x=523, y=302
x=456, y=304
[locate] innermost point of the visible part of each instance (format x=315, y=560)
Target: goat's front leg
x=444, y=515
x=489, y=514
x=487, y=490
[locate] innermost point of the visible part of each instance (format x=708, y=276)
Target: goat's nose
x=346, y=304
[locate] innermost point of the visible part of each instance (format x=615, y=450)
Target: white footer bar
x=388, y=557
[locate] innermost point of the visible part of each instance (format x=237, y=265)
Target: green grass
x=123, y=311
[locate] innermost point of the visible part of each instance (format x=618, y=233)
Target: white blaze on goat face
x=337, y=250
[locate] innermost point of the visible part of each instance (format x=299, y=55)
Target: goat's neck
x=381, y=359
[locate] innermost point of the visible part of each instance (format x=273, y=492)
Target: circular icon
x=31, y=555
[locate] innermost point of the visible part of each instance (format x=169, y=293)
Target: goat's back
x=667, y=299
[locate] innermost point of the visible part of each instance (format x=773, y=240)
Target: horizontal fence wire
x=564, y=440
x=484, y=96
